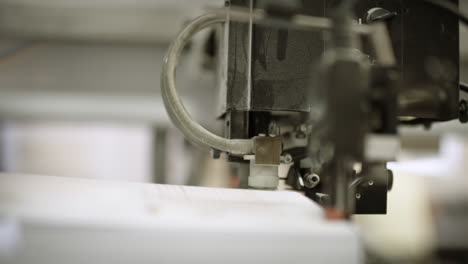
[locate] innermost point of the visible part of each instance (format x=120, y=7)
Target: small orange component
x=333, y=214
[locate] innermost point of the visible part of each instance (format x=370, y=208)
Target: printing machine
x=311, y=96
x=321, y=87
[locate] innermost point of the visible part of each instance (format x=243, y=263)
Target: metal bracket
x=267, y=150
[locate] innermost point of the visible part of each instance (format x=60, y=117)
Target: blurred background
x=80, y=97
x=80, y=93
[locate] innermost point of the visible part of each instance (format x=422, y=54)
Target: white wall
x=78, y=149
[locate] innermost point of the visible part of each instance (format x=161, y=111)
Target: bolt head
x=311, y=180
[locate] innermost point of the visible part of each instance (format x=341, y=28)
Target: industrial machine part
x=322, y=86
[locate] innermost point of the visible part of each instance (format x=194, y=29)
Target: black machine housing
x=269, y=70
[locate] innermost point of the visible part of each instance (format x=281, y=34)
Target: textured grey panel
x=280, y=64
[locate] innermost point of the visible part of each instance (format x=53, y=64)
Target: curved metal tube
x=174, y=106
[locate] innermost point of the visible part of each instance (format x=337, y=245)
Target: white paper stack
x=68, y=220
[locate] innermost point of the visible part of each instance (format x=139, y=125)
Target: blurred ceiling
x=98, y=20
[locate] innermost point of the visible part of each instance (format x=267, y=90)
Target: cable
x=449, y=7
x=173, y=104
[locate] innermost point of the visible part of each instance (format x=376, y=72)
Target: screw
x=311, y=180
x=371, y=183
x=288, y=158
x=315, y=178
x=358, y=196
